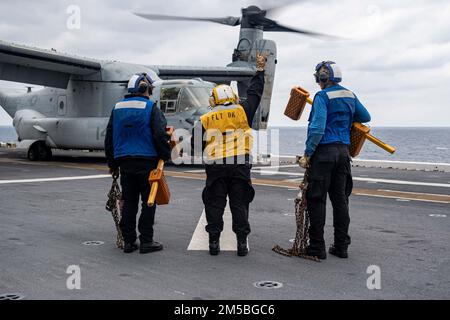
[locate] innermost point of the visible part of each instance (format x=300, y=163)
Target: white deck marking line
x=275, y=171
x=267, y=183
x=413, y=183
x=397, y=197
x=254, y=168
x=97, y=176
x=282, y=166
x=295, y=180
x=200, y=241
x=195, y=171
x=409, y=192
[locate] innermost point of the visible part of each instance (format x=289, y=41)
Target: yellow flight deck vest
x=227, y=132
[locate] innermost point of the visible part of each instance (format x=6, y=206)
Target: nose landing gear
x=39, y=151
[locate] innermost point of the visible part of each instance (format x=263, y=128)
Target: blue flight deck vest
x=132, y=135
x=341, y=104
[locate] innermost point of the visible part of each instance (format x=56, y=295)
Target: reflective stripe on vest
x=227, y=132
x=131, y=104
x=340, y=94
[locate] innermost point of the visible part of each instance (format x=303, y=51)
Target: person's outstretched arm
x=254, y=94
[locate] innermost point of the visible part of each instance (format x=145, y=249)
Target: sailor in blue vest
x=334, y=110
x=136, y=139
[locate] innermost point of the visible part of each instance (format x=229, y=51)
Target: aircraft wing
x=213, y=74
x=42, y=67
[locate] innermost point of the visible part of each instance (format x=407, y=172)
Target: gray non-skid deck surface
x=43, y=226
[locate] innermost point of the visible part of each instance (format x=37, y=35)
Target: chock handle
x=155, y=184
x=380, y=143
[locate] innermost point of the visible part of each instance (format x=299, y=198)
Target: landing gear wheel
x=33, y=152
x=39, y=151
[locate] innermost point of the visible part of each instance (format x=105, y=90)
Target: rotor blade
x=230, y=21
x=279, y=7
x=276, y=27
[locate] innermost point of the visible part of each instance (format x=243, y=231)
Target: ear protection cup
x=140, y=83
x=223, y=95
x=212, y=101
x=323, y=77
x=335, y=74
x=143, y=87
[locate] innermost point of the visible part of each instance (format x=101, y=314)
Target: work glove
x=260, y=61
x=303, y=161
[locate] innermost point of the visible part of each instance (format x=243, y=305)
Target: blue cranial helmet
x=333, y=69
x=133, y=84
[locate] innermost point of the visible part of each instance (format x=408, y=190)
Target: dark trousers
x=134, y=181
x=233, y=181
x=330, y=172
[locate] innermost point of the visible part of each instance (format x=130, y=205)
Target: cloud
x=395, y=55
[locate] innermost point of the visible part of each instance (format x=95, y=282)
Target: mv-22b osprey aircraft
x=73, y=109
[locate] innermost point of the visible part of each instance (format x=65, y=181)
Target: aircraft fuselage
x=76, y=117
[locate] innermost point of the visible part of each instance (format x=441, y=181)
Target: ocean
x=413, y=144
x=7, y=134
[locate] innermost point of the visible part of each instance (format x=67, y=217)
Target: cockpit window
x=193, y=98
x=168, y=99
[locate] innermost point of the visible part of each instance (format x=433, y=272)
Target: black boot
x=242, y=249
x=129, y=247
x=320, y=254
x=147, y=247
x=214, y=245
x=338, y=252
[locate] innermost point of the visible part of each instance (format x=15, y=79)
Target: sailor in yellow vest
x=226, y=137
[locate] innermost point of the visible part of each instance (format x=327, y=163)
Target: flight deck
x=53, y=216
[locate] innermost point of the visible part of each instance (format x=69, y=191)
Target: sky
x=395, y=55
